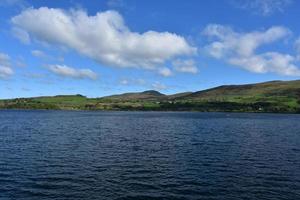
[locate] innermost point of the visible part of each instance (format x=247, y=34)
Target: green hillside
x=281, y=95
x=137, y=96
x=274, y=96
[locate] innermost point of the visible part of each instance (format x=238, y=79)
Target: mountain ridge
x=271, y=96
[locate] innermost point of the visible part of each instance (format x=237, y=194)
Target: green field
x=274, y=96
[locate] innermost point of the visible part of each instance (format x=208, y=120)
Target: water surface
x=148, y=155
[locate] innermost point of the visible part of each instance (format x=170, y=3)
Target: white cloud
x=103, y=37
x=133, y=82
x=239, y=49
x=165, y=72
x=65, y=71
x=268, y=62
x=41, y=54
x=185, y=66
x=5, y=72
x=4, y=59
x=22, y=35
x=38, y=53
x=243, y=44
x=124, y=82
x=263, y=7
x=155, y=85
x=5, y=66
x=158, y=86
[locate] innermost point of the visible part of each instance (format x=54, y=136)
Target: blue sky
x=104, y=47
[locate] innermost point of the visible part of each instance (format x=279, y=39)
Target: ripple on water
x=147, y=155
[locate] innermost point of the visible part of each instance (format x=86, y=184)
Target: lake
x=148, y=155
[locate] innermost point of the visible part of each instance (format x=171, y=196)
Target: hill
x=251, y=92
x=146, y=95
x=274, y=96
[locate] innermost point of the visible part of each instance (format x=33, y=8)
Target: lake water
x=148, y=155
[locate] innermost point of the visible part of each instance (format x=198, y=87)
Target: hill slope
x=146, y=95
x=274, y=96
x=252, y=92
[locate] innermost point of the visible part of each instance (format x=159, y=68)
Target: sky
x=103, y=47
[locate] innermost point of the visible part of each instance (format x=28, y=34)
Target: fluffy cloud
x=243, y=44
x=239, y=49
x=263, y=7
x=5, y=66
x=103, y=37
x=5, y=72
x=65, y=71
x=268, y=62
x=165, y=72
x=185, y=66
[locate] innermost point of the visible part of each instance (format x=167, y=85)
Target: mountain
x=273, y=96
x=146, y=95
x=251, y=92
x=179, y=95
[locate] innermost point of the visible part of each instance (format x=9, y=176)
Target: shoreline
x=146, y=111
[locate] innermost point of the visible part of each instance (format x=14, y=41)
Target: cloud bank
x=103, y=37
x=66, y=71
x=239, y=49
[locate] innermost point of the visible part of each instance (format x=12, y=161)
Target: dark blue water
x=148, y=155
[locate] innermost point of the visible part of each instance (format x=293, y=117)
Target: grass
x=275, y=96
